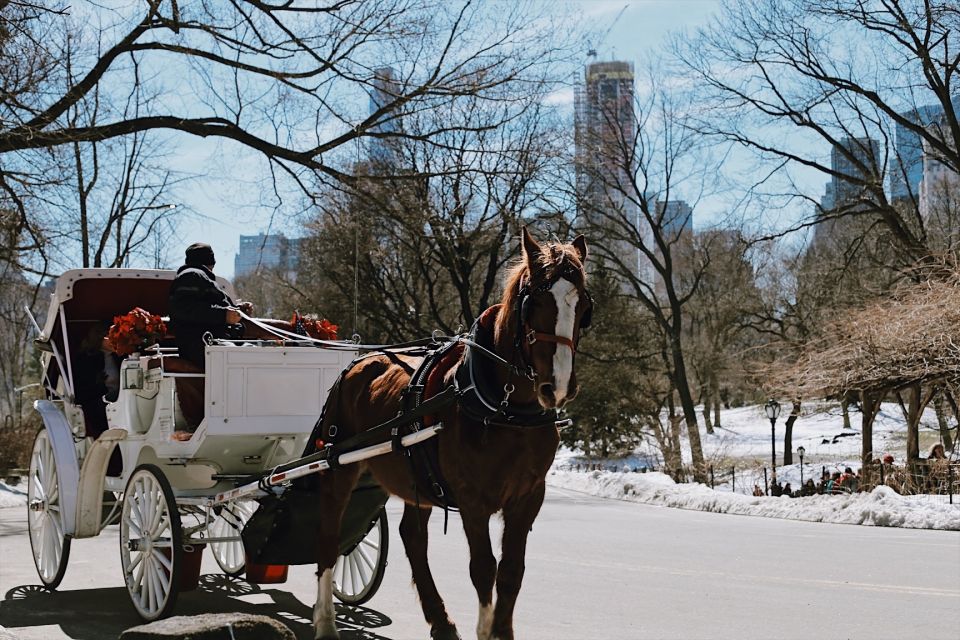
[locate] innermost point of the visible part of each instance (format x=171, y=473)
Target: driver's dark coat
x=198, y=305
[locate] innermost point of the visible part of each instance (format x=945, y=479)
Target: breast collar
x=480, y=396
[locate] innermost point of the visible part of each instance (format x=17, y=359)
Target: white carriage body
x=261, y=401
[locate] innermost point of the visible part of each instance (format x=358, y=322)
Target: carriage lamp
x=800, y=452
x=773, y=411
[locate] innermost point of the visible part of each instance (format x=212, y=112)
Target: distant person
x=833, y=485
x=892, y=476
x=809, y=488
x=757, y=491
x=937, y=468
x=788, y=490
x=198, y=305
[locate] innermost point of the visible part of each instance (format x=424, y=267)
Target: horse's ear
x=580, y=244
x=531, y=250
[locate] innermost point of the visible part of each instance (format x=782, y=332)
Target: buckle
x=531, y=337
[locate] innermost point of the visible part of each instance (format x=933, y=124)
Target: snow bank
x=883, y=507
x=12, y=496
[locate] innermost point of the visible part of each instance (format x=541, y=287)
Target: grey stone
x=212, y=626
x=8, y=635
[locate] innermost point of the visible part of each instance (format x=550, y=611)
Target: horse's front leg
x=413, y=531
x=335, y=490
x=483, y=568
x=518, y=517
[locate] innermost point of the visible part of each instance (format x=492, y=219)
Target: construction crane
x=591, y=52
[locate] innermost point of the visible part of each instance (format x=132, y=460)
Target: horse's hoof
x=446, y=633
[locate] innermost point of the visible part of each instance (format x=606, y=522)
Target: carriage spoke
x=162, y=559
x=365, y=558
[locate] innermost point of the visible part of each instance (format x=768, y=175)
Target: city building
x=858, y=159
x=906, y=166
x=267, y=251
x=605, y=124
x=677, y=219
x=939, y=193
x=385, y=89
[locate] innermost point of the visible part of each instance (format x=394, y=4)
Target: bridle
x=526, y=336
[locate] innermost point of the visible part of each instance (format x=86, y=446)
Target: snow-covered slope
x=882, y=507
x=739, y=452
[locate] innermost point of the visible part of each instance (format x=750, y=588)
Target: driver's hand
x=246, y=307
x=233, y=316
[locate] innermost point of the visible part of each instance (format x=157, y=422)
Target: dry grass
x=911, y=337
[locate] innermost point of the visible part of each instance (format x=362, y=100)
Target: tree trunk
x=706, y=399
x=715, y=394
x=788, y=433
x=689, y=410
x=912, y=412
x=869, y=407
x=674, y=422
x=941, y=408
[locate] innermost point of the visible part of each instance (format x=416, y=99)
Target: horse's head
x=550, y=307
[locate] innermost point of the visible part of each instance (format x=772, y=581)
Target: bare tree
x=283, y=79
x=719, y=315
x=632, y=171
x=790, y=80
x=421, y=240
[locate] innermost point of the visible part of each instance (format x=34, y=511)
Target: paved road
x=595, y=569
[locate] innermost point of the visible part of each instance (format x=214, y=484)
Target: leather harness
x=427, y=394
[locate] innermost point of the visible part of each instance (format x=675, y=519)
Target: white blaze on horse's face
x=566, y=296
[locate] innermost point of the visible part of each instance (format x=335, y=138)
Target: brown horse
x=490, y=467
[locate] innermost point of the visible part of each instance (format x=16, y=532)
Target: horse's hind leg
x=335, y=487
x=518, y=517
x=413, y=531
x=483, y=568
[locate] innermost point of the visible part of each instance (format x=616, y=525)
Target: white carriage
x=173, y=498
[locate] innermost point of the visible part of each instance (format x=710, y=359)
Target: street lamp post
x=773, y=411
x=800, y=452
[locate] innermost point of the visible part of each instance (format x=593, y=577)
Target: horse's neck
x=506, y=347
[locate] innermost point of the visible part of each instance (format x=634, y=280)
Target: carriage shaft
x=351, y=457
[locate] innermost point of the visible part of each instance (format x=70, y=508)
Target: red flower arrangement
x=135, y=331
x=321, y=329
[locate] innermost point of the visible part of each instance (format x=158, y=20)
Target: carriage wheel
x=229, y=555
x=359, y=572
x=151, y=542
x=50, y=546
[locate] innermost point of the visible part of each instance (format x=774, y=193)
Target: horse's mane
x=554, y=256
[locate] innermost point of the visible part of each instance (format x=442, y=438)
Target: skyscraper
x=385, y=90
x=906, y=167
x=266, y=251
x=605, y=123
x=866, y=153
x=853, y=160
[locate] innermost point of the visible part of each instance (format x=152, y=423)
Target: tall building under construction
x=605, y=123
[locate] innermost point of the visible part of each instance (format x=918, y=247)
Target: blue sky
x=227, y=200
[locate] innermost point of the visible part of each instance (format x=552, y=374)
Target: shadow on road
x=95, y=614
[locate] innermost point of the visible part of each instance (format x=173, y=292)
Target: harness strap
x=533, y=336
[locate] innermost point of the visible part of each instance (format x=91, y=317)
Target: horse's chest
x=496, y=465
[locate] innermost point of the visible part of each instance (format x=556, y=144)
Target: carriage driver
x=198, y=305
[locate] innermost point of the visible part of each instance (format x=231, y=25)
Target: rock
x=211, y=626
x=7, y=635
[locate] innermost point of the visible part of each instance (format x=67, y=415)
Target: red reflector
x=266, y=573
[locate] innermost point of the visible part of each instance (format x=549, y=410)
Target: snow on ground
x=15, y=496
x=883, y=507
x=739, y=452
